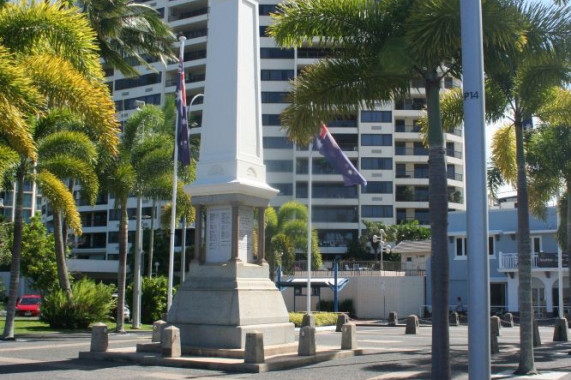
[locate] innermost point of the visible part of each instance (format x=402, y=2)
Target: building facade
x=502, y=254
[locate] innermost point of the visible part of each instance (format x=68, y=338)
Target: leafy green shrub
x=321, y=319
x=90, y=303
x=153, y=298
x=345, y=306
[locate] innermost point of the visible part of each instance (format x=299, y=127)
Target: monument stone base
x=220, y=303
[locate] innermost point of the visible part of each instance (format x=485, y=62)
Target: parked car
x=126, y=311
x=29, y=305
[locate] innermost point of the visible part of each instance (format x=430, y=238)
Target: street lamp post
x=156, y=269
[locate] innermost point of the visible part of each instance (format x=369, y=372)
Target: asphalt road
x=390, y=354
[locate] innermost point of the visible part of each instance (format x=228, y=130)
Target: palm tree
x=290, y=235
x=521, y=83
x=378, y=47
x=525, y=79
x=69, y=155
x=49, y=59
x=128, y=30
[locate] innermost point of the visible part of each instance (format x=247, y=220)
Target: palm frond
x=56, y=119
x=68, y=143
x=332, y=88
x=60, y=198
x=558, y=110
x=504, y=153
x=148, y=119
x=33, y=26
x=9, y=158
x=67, y=166
x=64, y=86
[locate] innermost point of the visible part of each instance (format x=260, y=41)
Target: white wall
x=373, y=297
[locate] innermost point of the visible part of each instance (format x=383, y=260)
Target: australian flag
x=182, y=122
x=327, y=146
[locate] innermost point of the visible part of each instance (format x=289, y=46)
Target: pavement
x=387, y=354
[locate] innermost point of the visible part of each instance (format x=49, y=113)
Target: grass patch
x=321, y=319
x=34, y=326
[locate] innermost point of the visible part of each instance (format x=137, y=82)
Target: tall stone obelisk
x=228, y=291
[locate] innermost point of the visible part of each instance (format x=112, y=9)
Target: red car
x=29, y=305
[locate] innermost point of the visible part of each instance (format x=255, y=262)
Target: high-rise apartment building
x=384, y=143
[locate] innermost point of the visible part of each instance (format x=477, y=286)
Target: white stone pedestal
x=219, y=304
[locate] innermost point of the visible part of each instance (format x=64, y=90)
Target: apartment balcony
x=542, y=261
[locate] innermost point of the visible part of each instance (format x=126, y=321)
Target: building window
x=274, y=97
x=535, y=244
x=271, y=119
x=374, y=163
x=284, y=188
x=279, y=166
x=373, y=211
x=338, y=214
x=378, y=187
x=376, y=140
x=376, y=116
x=276, y=53
x=461, y=247
x=277, y=75
x=491, y=247
x=266, y=9
x=333, y=190
x=277, y=143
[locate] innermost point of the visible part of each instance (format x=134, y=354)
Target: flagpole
x=173, y=202
x=309, y=256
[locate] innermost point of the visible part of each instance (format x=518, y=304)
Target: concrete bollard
x=454, y=320
x=509, y=320
x=494, y=333
x=560, y=333
x=498, y=322
x=99, y=337
x=341, y=320
x=393, y=318
x=158, y=328
x=411, y=324
x=349, y=336
x=308, y=320
x=170, y=343
x=254, y=349
x=306, y=341
x=536, y=336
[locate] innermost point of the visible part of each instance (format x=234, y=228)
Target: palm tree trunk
x=438, y=204
x=151, y=240
x=121, y=278
x=136, y=312
x=16, y=255
x=526, y=361
x=63, y=223
x=568, y=235
x=63, y=275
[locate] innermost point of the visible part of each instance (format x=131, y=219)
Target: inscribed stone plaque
x=245, y=230
x=218, y=234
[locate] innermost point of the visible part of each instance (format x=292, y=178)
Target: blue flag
x=327, y=146
x=182, y=122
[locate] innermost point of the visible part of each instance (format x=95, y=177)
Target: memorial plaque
x=218, y=234
x=246, y=231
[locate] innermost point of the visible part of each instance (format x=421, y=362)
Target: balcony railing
x=509, y=261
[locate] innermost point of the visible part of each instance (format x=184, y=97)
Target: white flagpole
x=309, y=255
x=173, y=203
